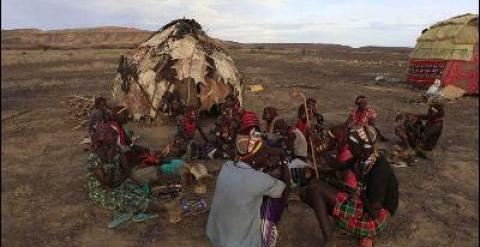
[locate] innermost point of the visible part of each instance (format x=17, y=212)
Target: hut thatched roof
x=452, y=39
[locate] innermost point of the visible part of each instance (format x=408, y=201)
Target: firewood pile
x=80, y=106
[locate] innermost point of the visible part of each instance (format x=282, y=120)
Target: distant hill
x=101, y=37
x=385, y=49
x=122, y=37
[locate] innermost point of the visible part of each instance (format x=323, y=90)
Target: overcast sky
x=349, y=22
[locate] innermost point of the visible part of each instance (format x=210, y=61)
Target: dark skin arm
x=290, y=141
x=126, y=169
x=371, y=121
x=104, y=179
x=332, y=163
x=423, y=116
x=204, y=137
x=349, y=120
x=379, y=185
x=106, y=154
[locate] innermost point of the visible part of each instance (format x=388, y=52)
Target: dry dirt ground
x=43, y=171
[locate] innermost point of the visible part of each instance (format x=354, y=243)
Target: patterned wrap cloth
x=270, y=214
x=128, y=197
x=350, y=216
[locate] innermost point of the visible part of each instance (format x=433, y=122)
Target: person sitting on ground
x=240, y=214
x=225, y=134
x=125, y=139
x=187, y=127
x=108, y=182
x=365, y=207
x=364, y=115
x=312, y=110
x=225, y=130
x=417, y=135
x=270, y=116
x=233, y=107
x=408, y=127
x=99, y=114
x=295, y=145
x=172, y=104
x=318, y=132
x=432, y=129
x=294, y=142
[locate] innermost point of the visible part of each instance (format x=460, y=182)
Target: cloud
x=352, y=22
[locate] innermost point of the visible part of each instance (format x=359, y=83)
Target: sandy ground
x=43, y=190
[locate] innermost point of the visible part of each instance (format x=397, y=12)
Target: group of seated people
x=338, y=171
x=126, y=177
x=354, y=183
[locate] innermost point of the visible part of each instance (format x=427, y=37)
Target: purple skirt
x=270, y=213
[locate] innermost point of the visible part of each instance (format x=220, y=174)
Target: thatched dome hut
x=178, y=59
x=448, y=48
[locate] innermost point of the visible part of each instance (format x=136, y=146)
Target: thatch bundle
x=179, y=58
x=452, y=39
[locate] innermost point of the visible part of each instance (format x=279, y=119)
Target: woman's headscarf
x=248, y=121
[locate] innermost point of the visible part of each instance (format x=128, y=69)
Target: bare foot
x=365, y=242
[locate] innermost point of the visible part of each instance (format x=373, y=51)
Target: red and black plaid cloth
x=350, y=216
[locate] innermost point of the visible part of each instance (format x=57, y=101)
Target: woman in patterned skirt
x=108, y=185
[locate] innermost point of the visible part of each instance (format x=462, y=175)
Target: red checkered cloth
x=350, y=216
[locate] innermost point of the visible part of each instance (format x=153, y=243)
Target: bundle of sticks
x=80, y=107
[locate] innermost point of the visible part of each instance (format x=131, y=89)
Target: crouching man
x=247, y=202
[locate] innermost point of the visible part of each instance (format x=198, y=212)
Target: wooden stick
x=80, y=125
x=309, y=138
x=145, y=95
x=16, y=114
x=82, y=97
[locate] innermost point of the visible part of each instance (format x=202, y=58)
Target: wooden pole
x=16, y=114
x=309, y=138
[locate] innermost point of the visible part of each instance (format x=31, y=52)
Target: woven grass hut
x=178, y=59
x=451, y=48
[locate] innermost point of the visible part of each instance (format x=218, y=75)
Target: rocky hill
x=101, y=37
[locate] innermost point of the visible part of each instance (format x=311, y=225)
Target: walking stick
x=298, y=93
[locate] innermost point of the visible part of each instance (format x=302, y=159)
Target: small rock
x=379, y=77
x=413, y=227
